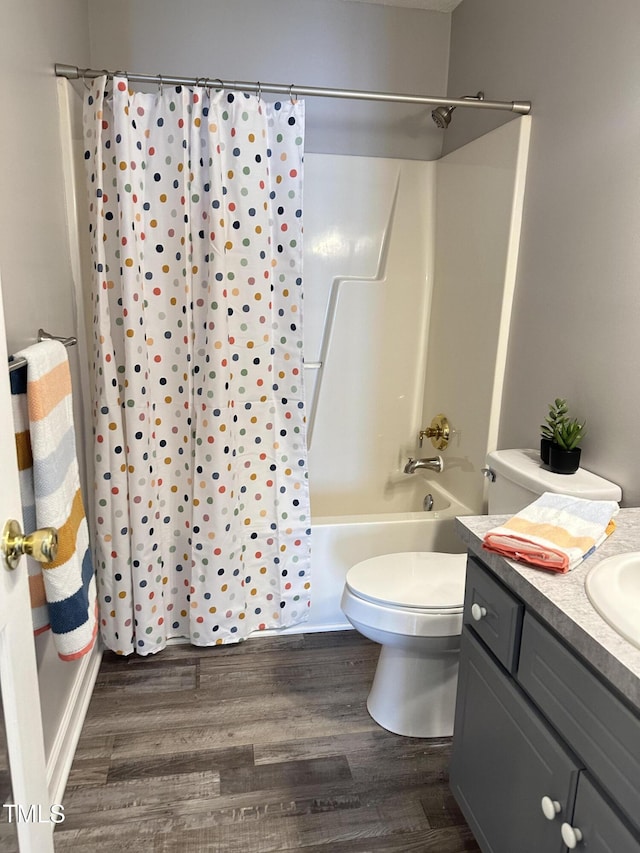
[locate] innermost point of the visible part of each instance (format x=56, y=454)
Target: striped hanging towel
x=555, y=532
x=63, y=592
x=18, y=380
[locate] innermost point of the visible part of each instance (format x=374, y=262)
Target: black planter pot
x=564, y=461
x=545, y=444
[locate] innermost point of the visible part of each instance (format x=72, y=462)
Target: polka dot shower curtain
x=201, y=495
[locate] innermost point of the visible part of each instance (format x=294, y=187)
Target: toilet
x=411, y=603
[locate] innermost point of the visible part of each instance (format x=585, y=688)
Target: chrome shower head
x=442, y=116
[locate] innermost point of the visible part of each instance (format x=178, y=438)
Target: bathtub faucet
x=432, y=463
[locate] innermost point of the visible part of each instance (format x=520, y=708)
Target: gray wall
x=576, y=326
x=35, y=264
x=326, y=43
x=34, y=253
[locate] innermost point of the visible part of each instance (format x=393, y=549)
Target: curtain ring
x=84, y=80
x=259, y=92
x=291, y=98
x=207, y=86
x=107, y=75
x=160, y=84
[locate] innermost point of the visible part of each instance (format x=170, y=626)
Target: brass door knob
x=42, y=544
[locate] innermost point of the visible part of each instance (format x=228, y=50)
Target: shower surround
x=409, y=272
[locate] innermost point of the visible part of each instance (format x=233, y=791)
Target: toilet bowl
x=411, y=603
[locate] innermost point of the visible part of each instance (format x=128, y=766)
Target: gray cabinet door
x=593, y=722
x=505, y=760
x=599, y=828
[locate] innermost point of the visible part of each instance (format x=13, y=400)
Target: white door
x=26, y=814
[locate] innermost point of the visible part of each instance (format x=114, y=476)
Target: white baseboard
x=64, y=747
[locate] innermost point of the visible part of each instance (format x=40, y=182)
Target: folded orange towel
x=555, y=532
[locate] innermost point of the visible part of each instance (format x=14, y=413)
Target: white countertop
x=561, y=600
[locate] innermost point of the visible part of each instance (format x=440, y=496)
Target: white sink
x=613, y=587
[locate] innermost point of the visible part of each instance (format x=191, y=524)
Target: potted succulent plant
x=557, y=414
x=564, y=453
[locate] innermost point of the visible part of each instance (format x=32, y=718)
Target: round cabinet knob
x=571, y=835
x=42, y=544
x=478, y=612
x=550, y=808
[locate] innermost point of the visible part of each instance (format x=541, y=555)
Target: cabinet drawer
x=597, y=725
x=493, y=613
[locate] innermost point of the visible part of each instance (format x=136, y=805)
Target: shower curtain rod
x=72, y=72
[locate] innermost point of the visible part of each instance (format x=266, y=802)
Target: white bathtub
x=340, y=541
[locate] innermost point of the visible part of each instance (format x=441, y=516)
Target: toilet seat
x=416, y=581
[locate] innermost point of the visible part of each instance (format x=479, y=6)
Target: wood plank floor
x=262, y=747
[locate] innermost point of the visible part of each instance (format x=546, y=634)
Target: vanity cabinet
x=545, y=757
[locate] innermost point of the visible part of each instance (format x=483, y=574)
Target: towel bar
x=17, y=363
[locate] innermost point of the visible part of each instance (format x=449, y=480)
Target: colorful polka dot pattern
x=201, y=498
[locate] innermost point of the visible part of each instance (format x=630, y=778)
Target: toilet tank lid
x=523, y=466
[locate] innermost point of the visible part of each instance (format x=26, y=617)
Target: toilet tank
x=518, y=477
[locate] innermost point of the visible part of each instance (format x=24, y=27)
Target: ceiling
x=433, y=5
